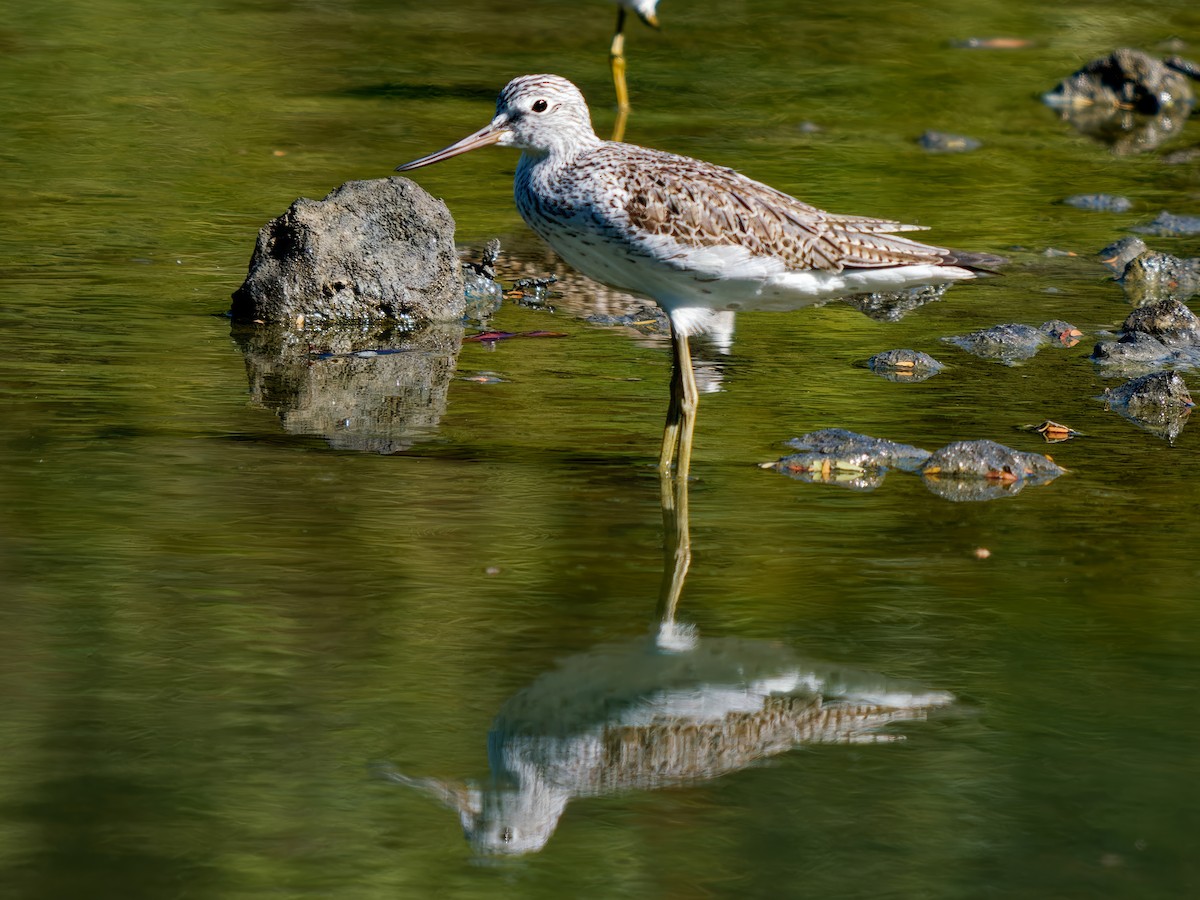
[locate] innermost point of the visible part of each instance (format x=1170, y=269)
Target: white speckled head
x=540, y=114
x=545, y=114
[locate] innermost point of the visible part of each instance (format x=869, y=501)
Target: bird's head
x=542, y=114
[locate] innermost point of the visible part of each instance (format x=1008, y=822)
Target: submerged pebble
x=646, y=319
x=1167, y=224
x=904, y=365
x=1099, y=202
x=1013, y=343
x=943, y=142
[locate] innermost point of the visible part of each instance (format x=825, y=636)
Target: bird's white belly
x=726, y=278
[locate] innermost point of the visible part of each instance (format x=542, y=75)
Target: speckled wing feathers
x=698, y=204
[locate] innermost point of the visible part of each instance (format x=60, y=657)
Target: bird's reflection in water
x=671, y=708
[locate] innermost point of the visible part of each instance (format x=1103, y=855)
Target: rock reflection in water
x=668, y=709
x=374, y=390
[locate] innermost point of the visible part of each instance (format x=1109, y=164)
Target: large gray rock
x=370, y=251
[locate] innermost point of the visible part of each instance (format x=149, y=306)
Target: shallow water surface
x=240, y=584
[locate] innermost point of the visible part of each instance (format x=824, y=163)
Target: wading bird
x=646, y=11
x=692, y=236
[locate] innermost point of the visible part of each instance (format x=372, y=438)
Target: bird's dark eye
x=540, y=105
x=506, y=834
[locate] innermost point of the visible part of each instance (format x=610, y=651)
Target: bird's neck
x=564, y=151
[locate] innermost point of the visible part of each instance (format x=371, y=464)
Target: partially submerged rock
x=1014, y=343
x=1160, y=403
x=984, y=470
x=1134, y=352
x=647, y=319
x=1129, y=100
x=1117, y=255
x=904, y=365
x=944, y=142
x=838, y=456
x=1168, y=320
x=965, y=470
x=1153, y=276
x=1099, y=202
x=371, y=251
x=1126, y=79
x=1159, y=334
x=1167, y=224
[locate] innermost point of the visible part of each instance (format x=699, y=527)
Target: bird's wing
x=699, y=205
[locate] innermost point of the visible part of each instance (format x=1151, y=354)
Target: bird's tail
x=980, y=263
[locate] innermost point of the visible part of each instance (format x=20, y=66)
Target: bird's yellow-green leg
x=681, y=413
x=688, y=405
x=670, y=440
x=616, y=57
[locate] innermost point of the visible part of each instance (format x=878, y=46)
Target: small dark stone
x=487, y=260
x=1099, y=202
x=646, y=319
x=943, y=142
x=1133, y=352
x=370, y=251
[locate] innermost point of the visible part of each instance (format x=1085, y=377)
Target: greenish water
x=214, y=619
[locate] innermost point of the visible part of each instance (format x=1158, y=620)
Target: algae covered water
x=235, y=593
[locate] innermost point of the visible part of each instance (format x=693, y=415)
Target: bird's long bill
x=489, y=134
